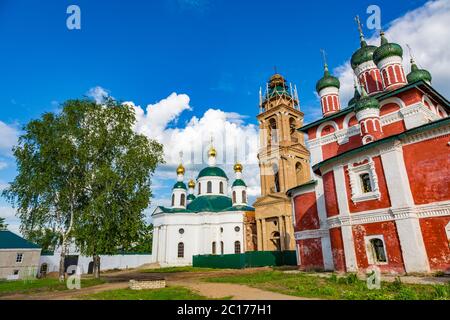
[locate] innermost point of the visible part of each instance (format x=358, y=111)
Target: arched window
x=44, y=269
x=237, y=247
x=299, y=172
x=173, y=200
x=293, y=130
x=221, y=247
x=276, y=241
x=183, y=200
x=221, y=187
x=209, y=187
x=273, y=133
x=379, y=253
x=180, y=250
x=276, y=176
x=214, y=249
x=199, y=188
x=234, y=196
x=244, y=196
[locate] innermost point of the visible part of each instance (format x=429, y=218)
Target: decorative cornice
x=311, y=234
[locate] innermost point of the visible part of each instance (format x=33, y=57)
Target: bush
x=397, y=285
x=441, y=292
x=405, y=293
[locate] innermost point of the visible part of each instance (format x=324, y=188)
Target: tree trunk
x=61, y=265
x=96, y=266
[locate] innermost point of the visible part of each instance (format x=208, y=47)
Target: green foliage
x=46, y=238
x=334, y=287
x=170, y=293
x=40, y=285
x=85, y=174
x=3, y=224
x=145, y=240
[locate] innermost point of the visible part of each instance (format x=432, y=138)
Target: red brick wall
x=306, y=216
x=436, y=242
x=392, y=243
x=329, y=188
x=427, y=164
x=384, y=201
x=331, y=149
x=311, y=254
x=337, y=249
x=389, y=108
x=393, y=128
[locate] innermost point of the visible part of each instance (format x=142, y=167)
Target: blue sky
x=218, y=53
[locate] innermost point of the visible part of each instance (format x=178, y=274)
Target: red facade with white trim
x=383, y=202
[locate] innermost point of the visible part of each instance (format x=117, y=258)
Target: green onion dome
x=239, y=183
x=179, y=185
x=363, y=54
x=191, y=197
x=356, y=97
x=327, y=81
x=417, y=74
x=212, y=172
x=386, y=50
x=366, y=102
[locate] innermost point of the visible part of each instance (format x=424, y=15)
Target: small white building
x=19, y=258
x=207, y=222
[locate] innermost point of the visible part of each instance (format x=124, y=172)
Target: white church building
x=202, y=220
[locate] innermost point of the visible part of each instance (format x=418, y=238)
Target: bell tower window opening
x=293, y=130
x=173, y=200
x=273, y=132
x=183, y=200
x=276, y=177
x=221, y=187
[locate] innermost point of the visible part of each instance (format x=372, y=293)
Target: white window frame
x=355, y=172
x=369, y=250
x=19, y=254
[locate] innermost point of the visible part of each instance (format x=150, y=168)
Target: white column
x=327, y=253
x=402, y=204
x=344, y=213
x=155, y=244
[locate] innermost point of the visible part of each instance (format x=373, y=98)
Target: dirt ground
x=191, y=280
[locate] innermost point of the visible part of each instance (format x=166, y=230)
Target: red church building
x=380, y=193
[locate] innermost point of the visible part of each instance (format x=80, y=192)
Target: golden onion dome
x=212, y=152
x=238, y=167
x=180, y=169
x=191, y=184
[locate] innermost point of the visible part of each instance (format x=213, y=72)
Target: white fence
x=106, y=262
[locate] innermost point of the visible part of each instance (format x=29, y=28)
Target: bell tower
x=283, y=162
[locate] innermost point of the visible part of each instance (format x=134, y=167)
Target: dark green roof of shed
x=10, y=240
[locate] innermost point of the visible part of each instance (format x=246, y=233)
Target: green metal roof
x=212, y=172
x=380, y=97
x=208, y=203
x=190, y=197
x=9, y=240
x=327, y=81
x=299, y=187
x=180, y=185
x=239, y=183
x=363, y=54
x=434, y=124
x=417, y=74
x=387, y=50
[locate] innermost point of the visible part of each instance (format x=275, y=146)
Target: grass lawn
x=169, y=293
x=341, y=288
x=40, y=285
x=178, y=269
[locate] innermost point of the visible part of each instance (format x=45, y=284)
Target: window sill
x=366, y=197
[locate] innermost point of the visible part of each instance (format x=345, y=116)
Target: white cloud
x=98, y=94
x=8, y=138
x=233, y=139
x=3, y=165
x=426, y=30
